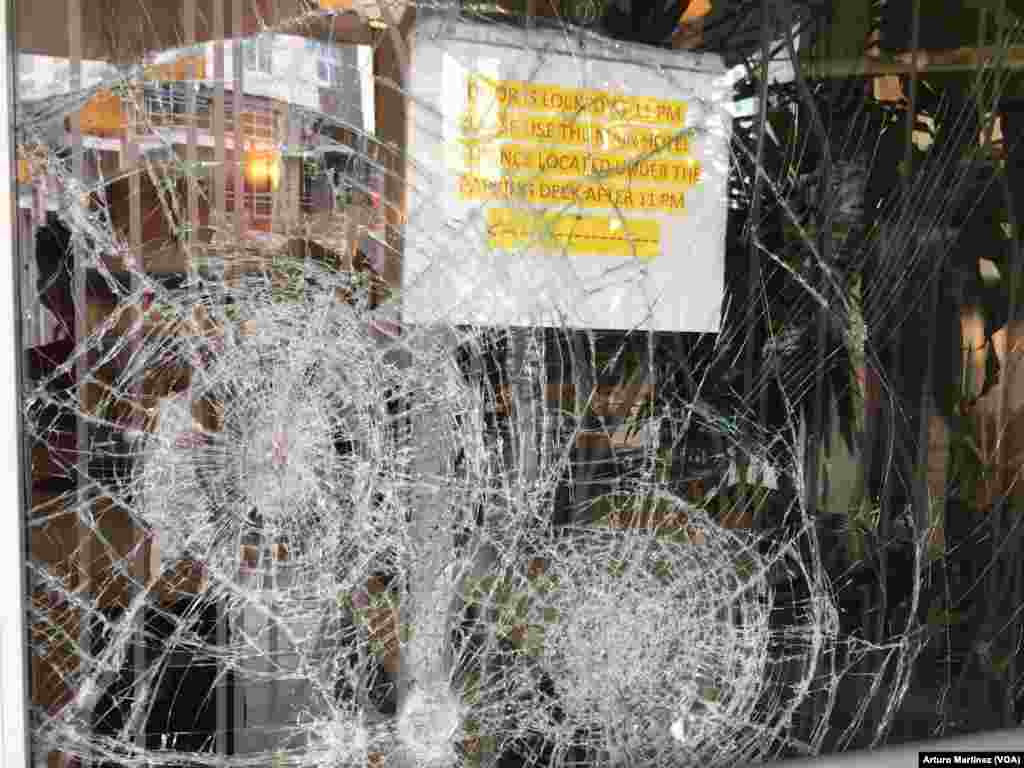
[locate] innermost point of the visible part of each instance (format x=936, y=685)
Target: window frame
x=14, y=640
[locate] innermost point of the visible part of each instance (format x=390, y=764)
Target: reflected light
x=696, y=9
x=263, y=167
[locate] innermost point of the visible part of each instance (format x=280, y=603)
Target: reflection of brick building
x=284, y=85
x=299, y=115
x=272, y=152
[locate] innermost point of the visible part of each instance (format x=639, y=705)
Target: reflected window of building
x=259, y=54
x=328, y=64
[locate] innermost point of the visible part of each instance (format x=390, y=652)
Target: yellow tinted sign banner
x=577, y=133
x=596, y=235
x=569, y=193
x=559, y=149
x=604, y=105
x=522, y=158
x=598, y=150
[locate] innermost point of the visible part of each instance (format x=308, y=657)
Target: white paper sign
x=564, y=180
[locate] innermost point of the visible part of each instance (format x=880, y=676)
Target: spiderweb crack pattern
x=371, y=521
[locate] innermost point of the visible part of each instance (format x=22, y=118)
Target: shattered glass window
x=518, y=384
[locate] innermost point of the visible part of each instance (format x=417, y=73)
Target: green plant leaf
x=521, y=606
x=471, y=690
x=480, y=590
x=745, y=566
x=945, y=617
x=710, y=693
x=545, y=584
x=856, y=544
x=1000, y=664
x=663, y=569
x=534, y=644
x=616, y=568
